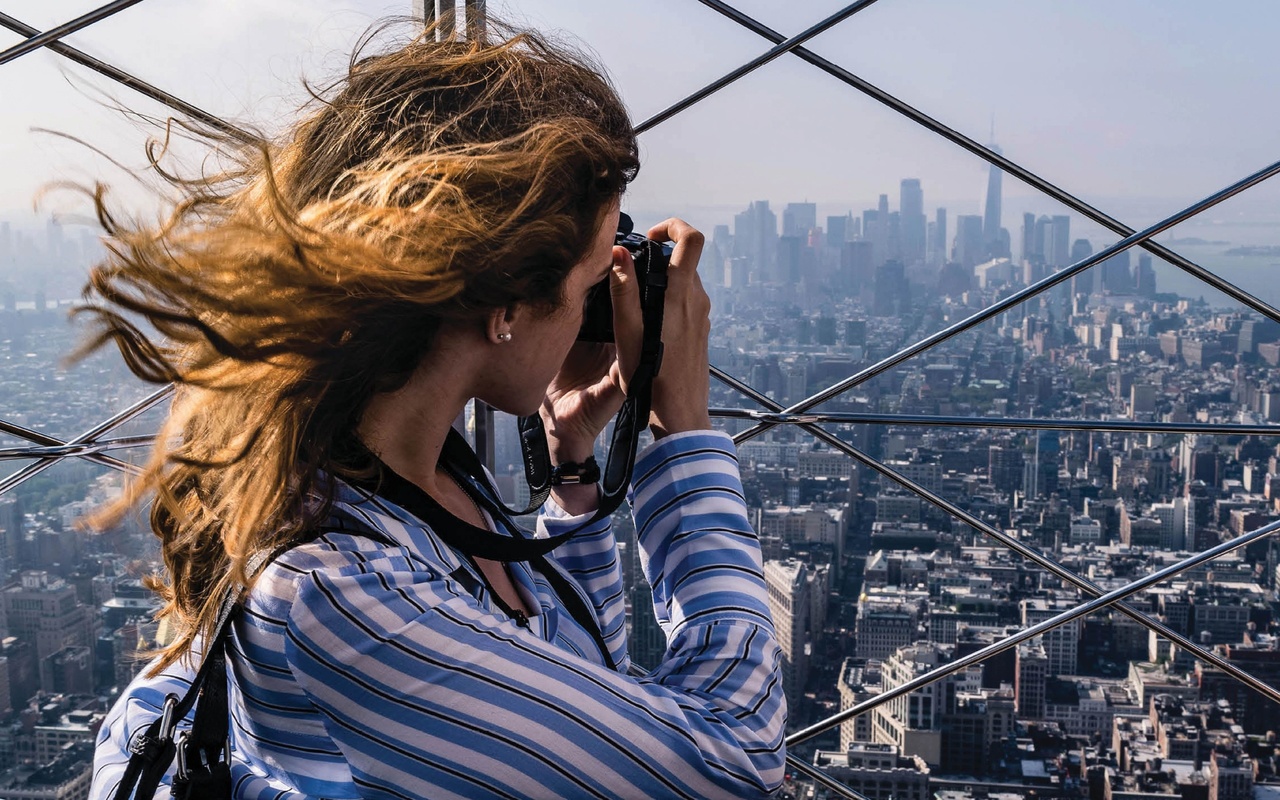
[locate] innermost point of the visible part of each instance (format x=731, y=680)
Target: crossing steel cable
x=137, y=84
x=1039, y=629
x=996, y=159
x=1020, y=296
x=64, y=450
x=89, y=436
x=784, y=46
x=52, y=443
x=1011, y=543
x=933, y=420
x=54, y=34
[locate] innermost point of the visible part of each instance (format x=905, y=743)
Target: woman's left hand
x=582, y=398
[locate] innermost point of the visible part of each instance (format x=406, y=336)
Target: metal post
x=477, y=19
x=424, y=11
x=446, y=19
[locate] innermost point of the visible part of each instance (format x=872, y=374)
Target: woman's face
x=541, y=339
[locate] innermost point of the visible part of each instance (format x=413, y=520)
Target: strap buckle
x=168, y=721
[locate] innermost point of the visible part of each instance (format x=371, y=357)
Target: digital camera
x=650, y=257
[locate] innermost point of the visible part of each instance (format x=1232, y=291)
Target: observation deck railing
x=94, y=444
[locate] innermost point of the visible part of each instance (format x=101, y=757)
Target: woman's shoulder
x=333, y=553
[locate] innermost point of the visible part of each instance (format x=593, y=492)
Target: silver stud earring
x=504, y=337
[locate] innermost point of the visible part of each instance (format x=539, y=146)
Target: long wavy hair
x=435, y=180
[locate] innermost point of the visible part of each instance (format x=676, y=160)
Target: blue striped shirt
x=373, y=661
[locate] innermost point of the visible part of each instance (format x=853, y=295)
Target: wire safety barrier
x=92, y=446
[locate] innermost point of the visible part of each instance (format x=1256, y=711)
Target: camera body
x=650, y=257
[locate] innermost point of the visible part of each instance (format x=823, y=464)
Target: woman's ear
x=498, y=324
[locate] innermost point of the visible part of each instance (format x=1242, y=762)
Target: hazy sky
x=1140, y=106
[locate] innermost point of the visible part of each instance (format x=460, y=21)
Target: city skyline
x=1138, y=127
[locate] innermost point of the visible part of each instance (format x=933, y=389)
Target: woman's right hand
x=681, y=391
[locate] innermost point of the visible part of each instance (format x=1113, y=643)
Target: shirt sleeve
x=591, y=558
x=429, y=695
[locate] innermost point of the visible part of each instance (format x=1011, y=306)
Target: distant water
x=1258, y=275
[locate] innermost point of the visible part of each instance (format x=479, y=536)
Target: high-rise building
x=911, y=210
x=1061, y=644
x=790, y=606
x=892, y=294
x=755, y=238
x=882, y=230
x=1004, y=468
x=1030, y=680
x=1144, y=277
x=1050, y=240
x=46, y=612
x=940, y=236
x=969, y=249
x=1057, y=241
x=1032, y=250
x=882, y=627
x=790, y=256
x=1115, y=274
x=1040, y=475
x=871, y=222
x=992, y=210
x=857, y=268
x=1082, y=282
x=799, y=218
x=838, y=230
x=914, y=721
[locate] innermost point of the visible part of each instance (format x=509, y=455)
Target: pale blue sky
x=1140, y=106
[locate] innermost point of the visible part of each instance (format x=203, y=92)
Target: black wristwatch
x=575, y=472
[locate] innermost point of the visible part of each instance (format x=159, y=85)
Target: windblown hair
x=436, y=180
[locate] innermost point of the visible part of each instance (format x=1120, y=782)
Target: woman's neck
x=407, y=428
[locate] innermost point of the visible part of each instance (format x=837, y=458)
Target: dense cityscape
x=870, y=585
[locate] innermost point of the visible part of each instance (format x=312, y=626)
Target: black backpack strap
x=154, y=750
x=204, y=753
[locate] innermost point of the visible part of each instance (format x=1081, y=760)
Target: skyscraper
x=1115, y=274
x=968, y=249
x=755, y=238
x=1144, y=277
x=789, y=604
x=1032, y=250
x=911, y=210
x=991, y=213
x=838, y=231
x=799, y=218
x=882, y=230
x=1057, y=240
x=1083, y=282
x=940, y=237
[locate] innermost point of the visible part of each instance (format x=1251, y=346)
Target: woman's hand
x=591, y=384
x=582, y=398
x=682, y=389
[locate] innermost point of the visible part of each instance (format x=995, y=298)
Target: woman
x=427, y=236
